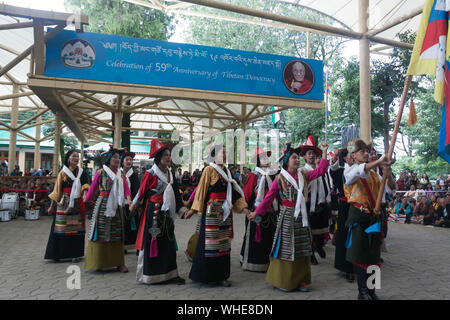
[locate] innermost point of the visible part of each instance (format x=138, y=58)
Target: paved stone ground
x=416, y=267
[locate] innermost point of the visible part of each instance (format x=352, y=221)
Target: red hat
x=310, y=145
x=157, y=146
x=128, y=153
x=259, y=152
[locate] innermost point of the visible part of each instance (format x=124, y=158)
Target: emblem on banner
x=78, y=53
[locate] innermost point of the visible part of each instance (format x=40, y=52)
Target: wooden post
x=117, y=128
x=56, y=150
x=37, y=146
x=364, y=73
x=308, y=44
x=191, y=141
x=13, y=133
x=81, y=154
x=243, y=148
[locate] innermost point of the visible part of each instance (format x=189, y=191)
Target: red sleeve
x=148, y=182
x=250, y=185
x=268, y=198
x=319, y=171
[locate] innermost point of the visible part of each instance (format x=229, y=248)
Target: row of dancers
x=287, y=215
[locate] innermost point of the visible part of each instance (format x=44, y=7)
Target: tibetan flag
x=430, y=56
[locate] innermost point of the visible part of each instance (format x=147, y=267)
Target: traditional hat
x=288, y=150
x=352, y=147
x=310, y=145
x=259, y=152
x=108, y=154
x=127, y=154
x=67, y=156
x=157, y=146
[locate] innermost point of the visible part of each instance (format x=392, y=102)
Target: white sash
x=301, y=202
x=261, y=186
x=169, y=202
x=128, y=175
x=76, y=186
x=116, y=196
x=231, y=183
x=317, y=190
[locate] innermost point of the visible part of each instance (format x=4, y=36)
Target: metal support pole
x=13, y=133
x=364, y=73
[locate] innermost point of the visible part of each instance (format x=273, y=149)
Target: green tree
x=239, y=36
x=122, y=18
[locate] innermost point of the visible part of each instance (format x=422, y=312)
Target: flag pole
x=393, y=140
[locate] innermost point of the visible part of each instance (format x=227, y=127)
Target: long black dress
x=340, y=262
x=66, y=239
x=211, y=262
x=131, y=221
x=157, y=263
x=255, y=256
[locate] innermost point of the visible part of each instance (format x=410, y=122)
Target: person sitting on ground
x=420, y=192
x=422, y=209
x=411, y=194
x=403, y=207
x=442, y=214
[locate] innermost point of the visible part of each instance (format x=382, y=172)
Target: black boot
x=373, y=295
x=314, y=261
x=364, y=294
x=361, y=277
x=321, y=252
x=350, y=277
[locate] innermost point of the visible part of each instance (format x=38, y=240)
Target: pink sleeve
x=268, y=199
x=126, y=188
x=93, y=188
x=191, y=198
x=319, y=171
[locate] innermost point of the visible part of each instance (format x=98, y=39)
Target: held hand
x=132, y=207
x=387, y=171
x=251, y=216
x=189, y=213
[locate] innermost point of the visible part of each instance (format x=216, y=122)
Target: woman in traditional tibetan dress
x=364, y=237
x=67, y=234
x=258, y=238
x=290, y=262
x=130, y=218
x=156, y=240
x=216, y=196
x=105, y=247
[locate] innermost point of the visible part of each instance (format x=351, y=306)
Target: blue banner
x=102, y=57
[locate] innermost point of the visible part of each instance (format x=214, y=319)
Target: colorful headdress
x=125, y=154
x=157, y=146
x=310, y=145
x=108, y=154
